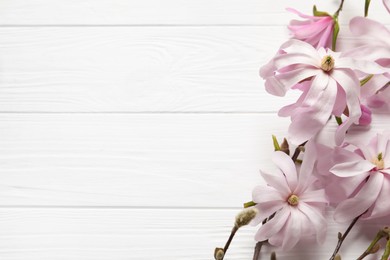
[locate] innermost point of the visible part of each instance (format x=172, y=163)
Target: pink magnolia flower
x=372, y=43
x=328, y=82
x=297, y=205
x=316, y=30
x=364, y=179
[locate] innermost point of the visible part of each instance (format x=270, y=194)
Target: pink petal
x=353, y=207
x=313, y=196
x=317, y=219
x=300, y=47
x=261, y=194
x=368, y=27
x=273, y=226
x=352, y=168
x=287, y=166
x=349, y=82
x=341, y=102
x=266, y=210
x=295, y=58
x=279, y=84
x=324, y=40
x=294, y=11
x=347, y=186
x=307, y=168
x=312, y=116
x=360, y=65
x=278, y=181
x=293, y=229
x=381, y=207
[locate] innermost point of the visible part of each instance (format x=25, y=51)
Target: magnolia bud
x=365, y=118
x=219, y=253
x=244, y=217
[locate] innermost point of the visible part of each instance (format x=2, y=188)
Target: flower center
x=327, y=63
x=293, y=200
x=378, y=161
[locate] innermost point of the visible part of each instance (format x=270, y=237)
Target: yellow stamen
x=293, y=200
x=379, y=162
x=327, y=63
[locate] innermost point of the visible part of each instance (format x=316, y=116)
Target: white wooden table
x=135, y=129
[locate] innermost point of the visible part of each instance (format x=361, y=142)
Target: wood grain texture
x=183, y=160
x=168, y=234
x=137, y=69
x=168, y=12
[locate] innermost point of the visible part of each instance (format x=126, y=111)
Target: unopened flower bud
x=219, y=253
x=244, y=217
x=284, y=147
x=365, y=118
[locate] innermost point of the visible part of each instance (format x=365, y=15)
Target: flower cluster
x=348, y=83
x=344, y=81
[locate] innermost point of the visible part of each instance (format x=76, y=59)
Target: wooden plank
x=180, y=160
x=168, y=12
x=129, y=69
x=54, y=234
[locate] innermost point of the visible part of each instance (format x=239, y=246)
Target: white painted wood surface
x=135, y=129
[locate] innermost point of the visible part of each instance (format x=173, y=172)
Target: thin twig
x=342, y=237
x=298, y=151
x=372, y=247
x=257, y=250
x=336, y=14
x=234, y=230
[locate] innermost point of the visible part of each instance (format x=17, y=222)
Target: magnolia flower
x=372, y=43
x=328, y=82
x=364, y=178
x=297, y=205
x=316, y=30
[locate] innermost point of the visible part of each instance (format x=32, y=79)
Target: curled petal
x=308, y=119
x=279, y=84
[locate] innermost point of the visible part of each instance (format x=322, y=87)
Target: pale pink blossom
x=328, y=82
x=363, y=177
x=315, y=30
x=372, y=43
x=297, y=204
